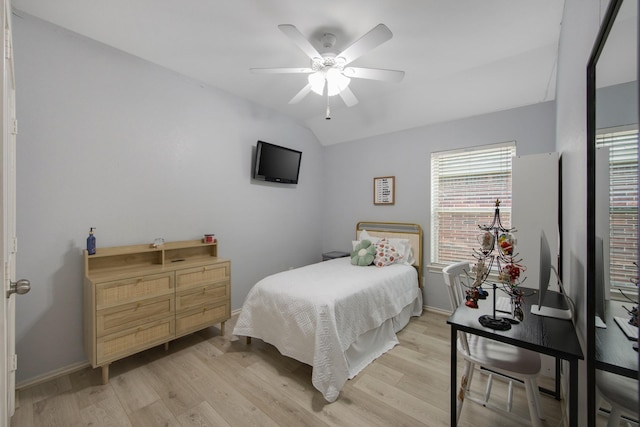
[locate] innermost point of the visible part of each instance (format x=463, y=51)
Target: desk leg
x=454, y=375
x=558, y=394
x=573, y=393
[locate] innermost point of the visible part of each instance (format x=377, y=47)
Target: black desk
x=545, y=335
x=614, y=352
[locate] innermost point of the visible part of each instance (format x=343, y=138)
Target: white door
x=8, y=247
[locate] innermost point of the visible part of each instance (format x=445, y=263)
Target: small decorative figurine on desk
x=634, y=316
x=480, y=273
x=473, y=295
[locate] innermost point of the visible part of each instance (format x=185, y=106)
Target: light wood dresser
x=137, y=297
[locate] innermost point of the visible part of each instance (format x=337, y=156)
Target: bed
x=335, y=316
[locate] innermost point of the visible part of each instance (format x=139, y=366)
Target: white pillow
x=365, y=236
x=403, y=246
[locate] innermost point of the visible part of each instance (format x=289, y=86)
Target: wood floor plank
x=202, y=415
x=206, y=379
x=403, y=401
x=153, y=415
x=175, y=391
x=88, y=388
x=225, y=398
x=107, y=412
x=133, y=389
x=267, y=395
x=384, y=373
x=59, y=410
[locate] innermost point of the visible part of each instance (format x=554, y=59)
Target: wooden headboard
x=397, y=230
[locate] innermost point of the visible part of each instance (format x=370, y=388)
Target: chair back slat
x=457, y=280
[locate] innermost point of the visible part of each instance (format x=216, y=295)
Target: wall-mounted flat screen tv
x=276, y=164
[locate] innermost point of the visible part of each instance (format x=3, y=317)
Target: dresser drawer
x=202, y=295
x=127, y=315
x=123, y=291
x=202, y=275
x=117, y=345
x=194, y=320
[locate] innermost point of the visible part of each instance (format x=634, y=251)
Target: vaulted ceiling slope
x=461, y=58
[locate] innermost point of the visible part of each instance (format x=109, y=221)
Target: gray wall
x=580, y=24
x=617, y=105
x=110, y=141
x=350, y=169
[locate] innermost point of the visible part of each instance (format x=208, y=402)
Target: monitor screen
x=276, y=164
x=545, y=267
x=561, y=306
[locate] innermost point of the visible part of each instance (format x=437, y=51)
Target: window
x=623, y=206
x=465, y=185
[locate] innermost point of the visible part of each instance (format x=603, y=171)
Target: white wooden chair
x=620, y=392
x=502, y=360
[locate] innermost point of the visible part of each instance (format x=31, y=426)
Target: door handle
x=20, y=287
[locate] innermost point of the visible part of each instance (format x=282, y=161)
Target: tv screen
x=276, y=164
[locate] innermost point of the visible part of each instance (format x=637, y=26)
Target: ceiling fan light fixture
x=328, y=72
x=336, y=81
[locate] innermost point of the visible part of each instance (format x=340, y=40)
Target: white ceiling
x=461, y=57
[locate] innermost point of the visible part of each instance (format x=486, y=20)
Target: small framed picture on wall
x=384, y=190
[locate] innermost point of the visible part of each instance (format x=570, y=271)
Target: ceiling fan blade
x=296, y=36
x=374, y=74
x=348, y=97
x=378, y=35
x=281, y=70
x=303, y=92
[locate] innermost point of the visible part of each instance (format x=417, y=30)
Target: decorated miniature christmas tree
x=497, y=246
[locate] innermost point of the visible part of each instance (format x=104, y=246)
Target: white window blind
x=623, y=205
x=465, y=185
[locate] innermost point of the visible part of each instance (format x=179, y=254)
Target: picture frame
x=384, y=190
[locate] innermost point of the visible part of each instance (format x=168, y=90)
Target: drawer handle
x=204, y=269
x=138, y=305
x=204, y=290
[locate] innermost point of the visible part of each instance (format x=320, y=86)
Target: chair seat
x=618, y=390
x=501, y=357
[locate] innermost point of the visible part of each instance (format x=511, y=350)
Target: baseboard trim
x=52, y=375
x=437, y=310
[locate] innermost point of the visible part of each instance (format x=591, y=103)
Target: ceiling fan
x=329, y=73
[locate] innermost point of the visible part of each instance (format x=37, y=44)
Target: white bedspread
x=315, y=313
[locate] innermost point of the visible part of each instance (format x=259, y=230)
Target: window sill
x=630, y=295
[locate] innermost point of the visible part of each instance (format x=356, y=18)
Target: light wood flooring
x=210, y=380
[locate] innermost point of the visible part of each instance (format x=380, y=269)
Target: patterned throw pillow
x=363, y=254
x=386, y=253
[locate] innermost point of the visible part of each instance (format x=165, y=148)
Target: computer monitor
x=545, y=273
